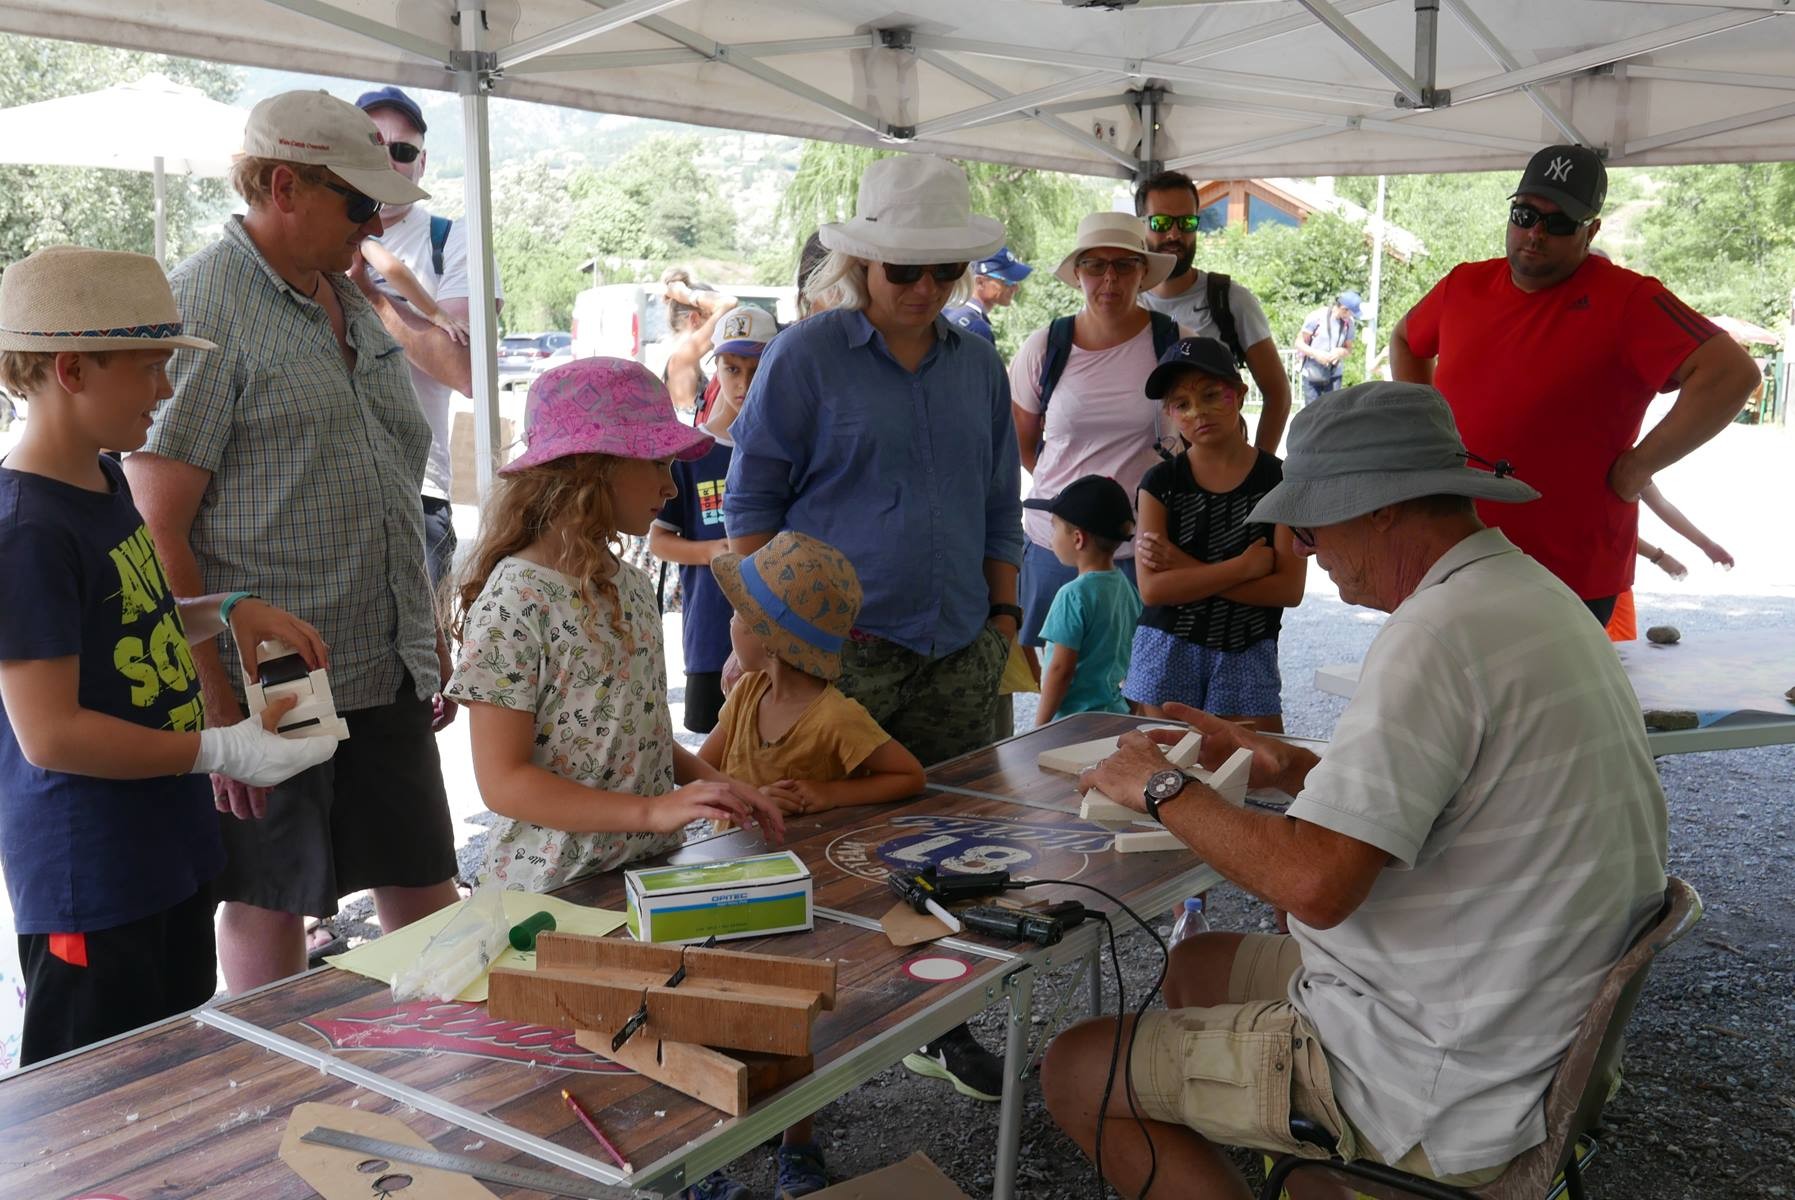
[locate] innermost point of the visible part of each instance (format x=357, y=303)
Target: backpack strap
x=1053, y=363
x=1221, y=311
x=1165, y=332
x=439, y=237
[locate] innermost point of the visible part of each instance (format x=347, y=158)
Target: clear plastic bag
x=460, y=952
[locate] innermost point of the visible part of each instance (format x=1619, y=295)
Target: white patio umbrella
x=151, y=124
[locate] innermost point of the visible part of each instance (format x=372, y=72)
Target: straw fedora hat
x=914, y=210
x=799, y=597
x=1116, y=231
x=73, y=298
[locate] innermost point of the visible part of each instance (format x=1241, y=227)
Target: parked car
x=629, y=320
x=519, y=352
x=559, y=358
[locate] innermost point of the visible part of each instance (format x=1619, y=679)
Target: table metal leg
x=1021, y=989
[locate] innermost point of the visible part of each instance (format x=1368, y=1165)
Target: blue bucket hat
x=1374, y=444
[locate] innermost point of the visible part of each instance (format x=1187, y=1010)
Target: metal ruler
x=463, y=1164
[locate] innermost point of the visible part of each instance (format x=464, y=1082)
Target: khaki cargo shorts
x=1238, y=1072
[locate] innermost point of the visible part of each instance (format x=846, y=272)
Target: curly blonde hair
x=567, y=500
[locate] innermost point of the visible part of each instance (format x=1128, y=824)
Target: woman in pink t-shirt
x=1094, y=419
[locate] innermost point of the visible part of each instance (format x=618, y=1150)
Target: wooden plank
x=575, y=951
x=1097, y=807
x=1184, y=754
x=730, y=1082
x=1149, y=842
x=776, y=970
x=578, y=952
x=566, y=999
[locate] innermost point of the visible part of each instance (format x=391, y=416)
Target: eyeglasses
x=1303, y=534
x=904, y=274
x=1525, y=216
x=359, y=208
x=1097, y=268
x=404, y=152
x=1160, y=222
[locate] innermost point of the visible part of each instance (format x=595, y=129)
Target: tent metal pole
x=1377, y=284
x=1366, y=49
x=1709, y=128
x=1149, y=163
x=474, y=65
x=592, y=26
x=1492, y=46
x=159, y=188
x=971, y=78
x=385, y=34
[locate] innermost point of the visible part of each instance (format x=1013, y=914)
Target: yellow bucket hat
x=798, y=595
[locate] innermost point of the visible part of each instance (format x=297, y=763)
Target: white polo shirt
x=1496, y=750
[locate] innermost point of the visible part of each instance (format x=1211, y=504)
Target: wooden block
x=1148, y=842
x=1070, y=760
x=772, y=970
x=579, y=952
x=730, y=1082
x=1184, y=754
x=1097, y=807
x=1230, y=779
x=566, y=999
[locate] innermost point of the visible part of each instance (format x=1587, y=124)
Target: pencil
x=579, y=1110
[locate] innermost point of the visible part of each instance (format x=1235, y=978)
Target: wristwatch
x=1164, y=786
x=1012, y=611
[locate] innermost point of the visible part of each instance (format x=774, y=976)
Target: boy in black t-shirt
x=108, y=834
x=1213, y=584
x=689, y=530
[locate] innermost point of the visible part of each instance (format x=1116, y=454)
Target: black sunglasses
x=1525, y=216
x=1159, y=222
x=358, y=208
x=404, y=152
x=904, y=274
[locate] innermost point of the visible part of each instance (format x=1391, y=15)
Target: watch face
x=1165, y=784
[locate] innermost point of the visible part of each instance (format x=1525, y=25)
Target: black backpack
x=1059, y=352
x=1218, y=288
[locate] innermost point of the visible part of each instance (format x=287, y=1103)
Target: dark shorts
x=1603, y=609
x=936, y=708
x=1042, y=577
x=135, y=974
x=1313, y=391
x=375, y=815
x=439, y=538
x=704, y=700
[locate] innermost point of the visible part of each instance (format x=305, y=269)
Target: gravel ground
x=1708, y=1105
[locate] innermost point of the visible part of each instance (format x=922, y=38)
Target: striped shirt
x=1212, y=527
x=313, y=501
x=1494, y=749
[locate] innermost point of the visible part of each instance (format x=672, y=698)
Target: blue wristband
x=230, y=602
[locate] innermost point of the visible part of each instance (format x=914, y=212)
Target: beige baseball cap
x=317, y=128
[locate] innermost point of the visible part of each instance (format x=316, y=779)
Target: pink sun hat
x=603, y=406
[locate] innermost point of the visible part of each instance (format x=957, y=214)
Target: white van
x=629, y=320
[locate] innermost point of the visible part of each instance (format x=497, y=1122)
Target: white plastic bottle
x=1191, y=921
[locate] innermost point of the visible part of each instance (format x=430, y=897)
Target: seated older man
x=1483, y=839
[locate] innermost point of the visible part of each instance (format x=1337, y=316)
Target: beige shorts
x=1238, y=1072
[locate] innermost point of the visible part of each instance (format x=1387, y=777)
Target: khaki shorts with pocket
x=1238, y=1072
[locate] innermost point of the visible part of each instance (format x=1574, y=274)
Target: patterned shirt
x=534, y=642
x=1212, y=527
x=313, y=501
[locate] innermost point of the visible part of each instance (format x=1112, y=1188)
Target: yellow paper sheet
x=383, y=957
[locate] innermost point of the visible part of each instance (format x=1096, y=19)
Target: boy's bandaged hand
x=251, y=752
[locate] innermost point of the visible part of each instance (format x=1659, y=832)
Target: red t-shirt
x=1557, y=382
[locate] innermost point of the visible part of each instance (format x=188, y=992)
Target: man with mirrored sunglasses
x=287, y=465
x=1210, y=305
x=1549, y=357
x=434, y=250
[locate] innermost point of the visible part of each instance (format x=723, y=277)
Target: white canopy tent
x=151, y=124
x=1116, y=87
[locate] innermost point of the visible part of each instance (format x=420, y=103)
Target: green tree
x=1723, y=238
x=105, y=209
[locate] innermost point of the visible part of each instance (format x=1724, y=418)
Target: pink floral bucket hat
x=603, y=406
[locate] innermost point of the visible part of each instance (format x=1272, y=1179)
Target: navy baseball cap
x=1349, y=301
x=392, y=97
x=1094, y=503
x=1003, y=266
x=1204, y=354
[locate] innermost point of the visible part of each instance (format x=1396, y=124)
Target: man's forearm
x=1405, y=364
x=427, y=346
x=1267, y=368
x=184, y=579
x=1709, y=400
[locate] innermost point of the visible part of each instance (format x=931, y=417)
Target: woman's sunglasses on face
x=1525, y=216
x=359, y=208
x=1160, y=223
x=904, y=274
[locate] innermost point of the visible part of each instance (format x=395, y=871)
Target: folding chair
x=1573, y=1101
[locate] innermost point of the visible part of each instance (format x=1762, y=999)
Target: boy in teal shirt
x=1089, y=629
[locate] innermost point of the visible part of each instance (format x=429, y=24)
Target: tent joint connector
x=895, y=39
x=1431, y=98
x=900, y=133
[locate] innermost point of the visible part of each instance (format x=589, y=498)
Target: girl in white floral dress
x=561, y=666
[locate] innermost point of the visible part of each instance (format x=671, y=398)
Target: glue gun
x=928, y=892
x=1044, y=928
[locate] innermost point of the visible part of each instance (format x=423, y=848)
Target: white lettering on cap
x=1560, y=170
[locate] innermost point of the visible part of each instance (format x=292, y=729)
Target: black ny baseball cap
x=1204, y=354
x=1094, y=503
x=1572, y=177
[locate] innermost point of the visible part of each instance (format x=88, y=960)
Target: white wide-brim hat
x=72, y=298
x=914, y=210
x=317, y=128
x=1116, y=231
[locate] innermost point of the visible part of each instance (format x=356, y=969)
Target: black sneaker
x=958, y=1058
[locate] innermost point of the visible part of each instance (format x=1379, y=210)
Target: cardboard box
x=743, y=897
x=915, y=1178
